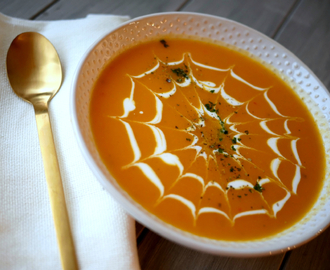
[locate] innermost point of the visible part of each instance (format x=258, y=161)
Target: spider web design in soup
x=207, y=139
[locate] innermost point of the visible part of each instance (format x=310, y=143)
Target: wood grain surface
x=24, y=9
x=302, y=26
x=156, y=252
x=264, y=16
x=71, y=9
x=307, y=35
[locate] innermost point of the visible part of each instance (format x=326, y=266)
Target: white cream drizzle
x=233, y=74
x=195, y=140
x=264, y=126
x=212, y=210
x=280, y=204
x=215, y=152
x=272, y=105
x=250, y=213
x=272, y=143
x=211, y=114
x=295, y=151
x=194, y=176
x=167, y=94
x=172, y=63
x=239, y=184
x=148, y=72
x=159, y=112
x=196, y=147
x=264, y=181
x=129, y=103
x=173, y=160
x=184, y=201
x=133, y=142
x=185, y=83
x=161, y=144
x=206, y=66
x=230, y=100
x=129, y=106
x=209, y=84
x=249, y=113
x=296, y=179
x=151, y=175
x=204, y=155
x=286, y=126
x=212, y=184
x=233, y=128
x=274, y=165
x=206, y=85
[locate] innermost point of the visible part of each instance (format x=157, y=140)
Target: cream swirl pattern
x=211, y=111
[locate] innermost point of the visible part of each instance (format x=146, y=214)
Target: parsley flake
x=211, y=107
x=258, y=187
x=181, y=73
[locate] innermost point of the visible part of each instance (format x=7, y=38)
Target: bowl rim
x=154, y=223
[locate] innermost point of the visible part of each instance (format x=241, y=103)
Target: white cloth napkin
x=104, y=234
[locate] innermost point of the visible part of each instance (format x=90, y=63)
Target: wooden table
x=302, y=26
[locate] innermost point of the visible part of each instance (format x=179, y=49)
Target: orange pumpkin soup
x=207, y=139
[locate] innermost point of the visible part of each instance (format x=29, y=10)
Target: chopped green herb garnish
x=231, y=169
x=211, y=107
x=233, y=148
x=212, y=91
x=188, y=139
x=223, y=129
x=235, y=140
x=180, y=72
x=220, y=150
x=258, y=187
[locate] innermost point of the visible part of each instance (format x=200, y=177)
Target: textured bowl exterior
x=229, y=33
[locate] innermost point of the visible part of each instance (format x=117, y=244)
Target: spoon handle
x=55, y=190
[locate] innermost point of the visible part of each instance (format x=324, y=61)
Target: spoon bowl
x=34, y=68
x=35, y=74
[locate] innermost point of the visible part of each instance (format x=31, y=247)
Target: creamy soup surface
x=207, y=139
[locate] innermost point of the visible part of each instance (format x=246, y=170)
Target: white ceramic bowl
x=304, y=82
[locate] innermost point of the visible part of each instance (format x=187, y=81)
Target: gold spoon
x=35, y=74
